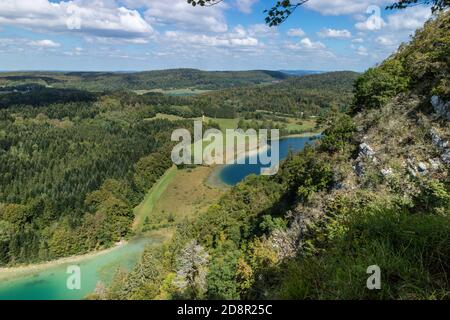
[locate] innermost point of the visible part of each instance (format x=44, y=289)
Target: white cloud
x=98, y=18
x=245, y=5
x=358, y=40
x=372, y=23
x=297, y=32
x=261, y=30
x=333, y=33
x=385, y=41
x=362, y=51
x=45, y=43
x=408, y=19
x=179, y=13
x=306, y=44
x=239, y=37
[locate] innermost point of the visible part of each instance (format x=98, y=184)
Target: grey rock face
x=441, y=144
x=387, y=172
x=441, y=107
x=359, y=168
x=422, y=168
x=366, y=150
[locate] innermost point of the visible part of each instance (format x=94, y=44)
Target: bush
x=338, y=134
x=378, y=85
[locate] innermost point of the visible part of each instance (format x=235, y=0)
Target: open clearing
x=146, y=207
x=188, y=188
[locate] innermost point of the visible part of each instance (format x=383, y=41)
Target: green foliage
x=434, y=196
x=427, y=58
x=338, y=134
x=270, y=224
x=422, y=65
x=281, y=11
x=411, y=250
x=378, y=85
x=306, y=174
x=221, y=279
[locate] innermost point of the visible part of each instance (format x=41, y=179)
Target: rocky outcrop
x=441, y=107
x=365, y=153
x=441, y=144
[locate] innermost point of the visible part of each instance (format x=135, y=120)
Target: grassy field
x=303, y=124
x=145, y=209
x=187, y=194
x=170, y=117
x=179, y=194
x=293, y=124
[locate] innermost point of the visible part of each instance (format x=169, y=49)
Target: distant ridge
x=144, y=80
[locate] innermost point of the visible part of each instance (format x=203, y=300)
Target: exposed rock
x=422, y=168
x=359, y=168
x=286, y=241
x=339, y=185
x=366, y=150
x=387, y=172
x=435, y=163
x=411, y=167
x=441, y=144
x=441, y=107
x=412, y=172
x=446, y=156
x=437, y=140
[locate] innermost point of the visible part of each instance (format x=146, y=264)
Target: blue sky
x=111, y=35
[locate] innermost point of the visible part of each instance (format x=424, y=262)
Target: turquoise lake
x=51, y=283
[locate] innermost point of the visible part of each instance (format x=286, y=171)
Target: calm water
x=51, y=283
x=235, y=173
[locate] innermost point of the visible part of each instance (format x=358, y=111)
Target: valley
x=87, y=178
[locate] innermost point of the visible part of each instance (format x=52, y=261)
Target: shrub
x=378, y=85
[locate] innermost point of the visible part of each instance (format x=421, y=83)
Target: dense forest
x=300, y=96
x=71, y=173
x=374, y=191
x=164, y=79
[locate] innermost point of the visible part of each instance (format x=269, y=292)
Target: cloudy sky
x=159, y=34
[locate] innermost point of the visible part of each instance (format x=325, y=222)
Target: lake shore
x=214, y=179
x=10, y=273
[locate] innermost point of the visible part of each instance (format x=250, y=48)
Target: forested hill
x=163, y=79
x=375, y=191
x=310, y=95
